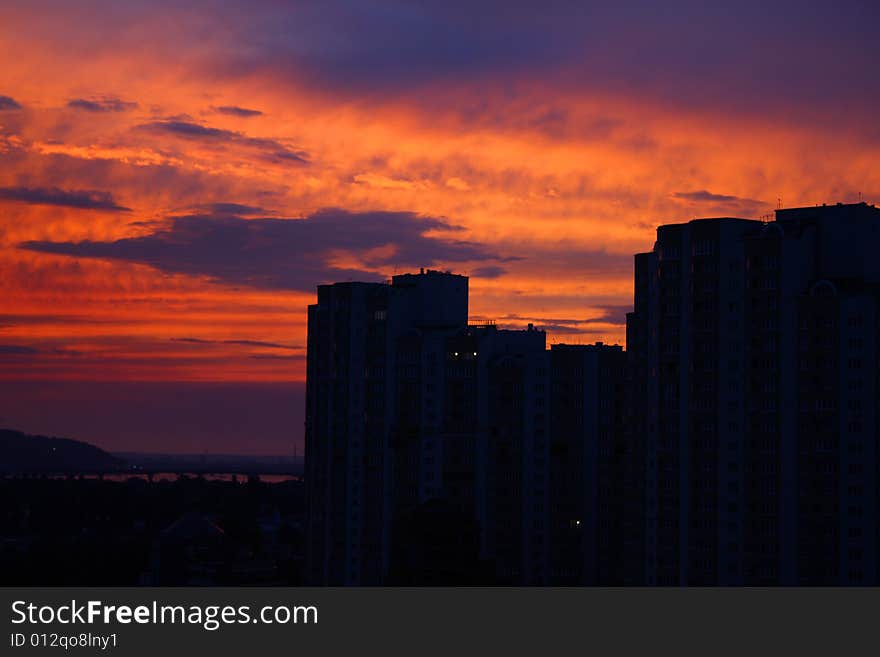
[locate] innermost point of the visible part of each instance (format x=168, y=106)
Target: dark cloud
x=395, y=45
x=560, y=329
x=16, y=350
x=686, y=52
x=260, y=343
x=704, y=196
x=24, y=350
x=614, y=314
x=231, y=209
x=51, y=318
x=242, y=112
x=7, y=103
x=490, y=271
x=611, y=314
x=291, y=254
x=85, y=199
x=269, y=148
x=543, y=320
x=248, y=343
x=187, y=129
x=101, y=104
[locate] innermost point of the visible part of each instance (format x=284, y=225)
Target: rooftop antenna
x=778, y=202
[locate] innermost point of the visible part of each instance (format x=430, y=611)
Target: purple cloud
x=84, y=199
x=248, y=343
x=241, y=112
x=101, y=104
x=286, y=253
x=269, y=148
x=704, y=196
x=7, y=103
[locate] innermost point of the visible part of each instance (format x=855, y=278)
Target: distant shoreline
x=211, y=464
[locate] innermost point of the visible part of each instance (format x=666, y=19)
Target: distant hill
x=21, y=453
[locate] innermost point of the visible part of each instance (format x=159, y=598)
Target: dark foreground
x=193, y=531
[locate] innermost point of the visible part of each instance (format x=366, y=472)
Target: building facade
x=753, y=352
x=588, y=456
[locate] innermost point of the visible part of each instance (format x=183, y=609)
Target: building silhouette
x=587, y=466
x=357, y=347
x=414, y=414
x=733, y=443
x=752, y=349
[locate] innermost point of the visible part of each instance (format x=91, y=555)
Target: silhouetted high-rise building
x=351, y=411
x=753, y=366
x=418, y=421
x=588, y=459
x=346, y=431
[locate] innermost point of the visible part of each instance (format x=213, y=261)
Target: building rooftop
x=598, y=346
x=424, y=274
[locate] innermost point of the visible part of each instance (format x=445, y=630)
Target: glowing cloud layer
x=175, y=181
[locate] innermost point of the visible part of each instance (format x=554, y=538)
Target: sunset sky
x=174, y=181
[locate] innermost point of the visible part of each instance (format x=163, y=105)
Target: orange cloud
x=565, y=182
